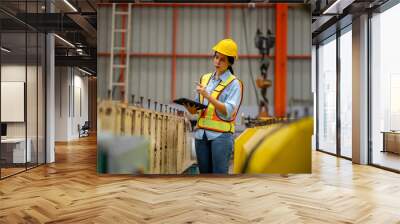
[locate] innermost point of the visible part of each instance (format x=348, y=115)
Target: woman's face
x=220, y=62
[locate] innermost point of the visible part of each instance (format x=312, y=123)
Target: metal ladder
x=119, y=73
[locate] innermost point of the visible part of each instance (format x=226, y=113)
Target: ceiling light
x=84, y=71
x=65, y=41
x=5, y=49
x=70, y=5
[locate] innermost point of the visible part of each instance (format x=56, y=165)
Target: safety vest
x=208, y=118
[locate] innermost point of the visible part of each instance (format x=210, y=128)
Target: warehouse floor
x=70, y=191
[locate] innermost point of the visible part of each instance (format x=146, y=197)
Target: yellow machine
x=283, y=147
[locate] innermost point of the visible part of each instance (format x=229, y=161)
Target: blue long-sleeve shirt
x=230, y=96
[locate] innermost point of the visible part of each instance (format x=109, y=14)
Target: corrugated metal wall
x=198, y=30
x=299, y=43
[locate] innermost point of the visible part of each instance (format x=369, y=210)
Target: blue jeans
x=213, y=156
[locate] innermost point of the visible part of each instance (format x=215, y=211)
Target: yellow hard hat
x=227, y=47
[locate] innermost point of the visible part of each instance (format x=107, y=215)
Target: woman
x=222, y=92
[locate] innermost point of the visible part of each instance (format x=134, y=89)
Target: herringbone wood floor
x=70, y=191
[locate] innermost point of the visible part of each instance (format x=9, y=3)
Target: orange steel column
x=174, y=37
x=281, y=15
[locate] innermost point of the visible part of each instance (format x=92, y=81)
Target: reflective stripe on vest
x=208, y=118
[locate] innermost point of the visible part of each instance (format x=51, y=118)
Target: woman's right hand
x=191, y=109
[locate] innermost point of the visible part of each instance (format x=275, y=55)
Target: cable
x=247, y=49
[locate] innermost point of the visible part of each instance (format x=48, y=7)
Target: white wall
x=61, y=103
x=71, y=93
x=82, y=82
x=16, y=73
x=33, y=127
x=12, y=73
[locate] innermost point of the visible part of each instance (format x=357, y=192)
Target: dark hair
x=231, y=60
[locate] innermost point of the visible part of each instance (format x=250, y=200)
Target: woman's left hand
x=201, y=90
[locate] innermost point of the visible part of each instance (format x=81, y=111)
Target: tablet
x=185, y=101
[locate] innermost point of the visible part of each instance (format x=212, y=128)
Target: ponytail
x=230, y=69
x=231, y=60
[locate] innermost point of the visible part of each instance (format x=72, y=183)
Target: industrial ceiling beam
x=49, y=22
x=84, y=24
x=52, y=23
x=79, y=61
